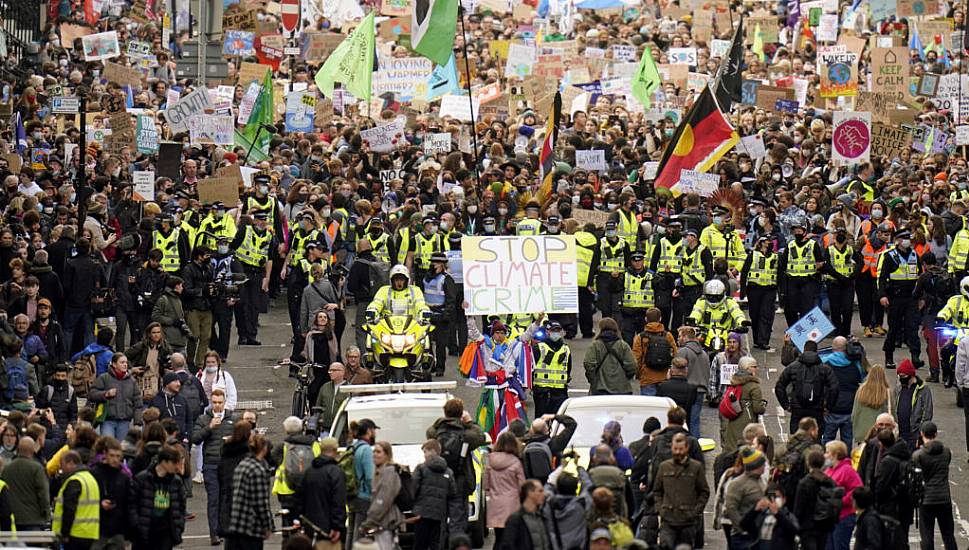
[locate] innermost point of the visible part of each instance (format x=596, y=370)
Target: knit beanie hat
x=751, y=458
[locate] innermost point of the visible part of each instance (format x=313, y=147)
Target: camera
x=229, y=286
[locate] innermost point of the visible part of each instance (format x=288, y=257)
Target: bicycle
x=304, y=378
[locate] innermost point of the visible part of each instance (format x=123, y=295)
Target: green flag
x=351, y=63
x=262, y=114
x=758, y=46
x=433, y=25
x=646, y=79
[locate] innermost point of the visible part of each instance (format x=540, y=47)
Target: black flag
x=729, y=78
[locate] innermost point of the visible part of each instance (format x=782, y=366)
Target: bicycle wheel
x=299, y=403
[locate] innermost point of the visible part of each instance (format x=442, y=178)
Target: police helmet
x=714, y=292
x=964, y=286
x=400, y=271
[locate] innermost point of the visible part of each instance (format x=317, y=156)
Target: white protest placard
x=962, y=134
x=171, y=96
x=624, y=52
x=719, y=48
x=405, y=77
x=650, y=169
x=726, y=373
x=192, y=105
x=521, y=60
x=101, y=46
x=702, y=184
x=520, y=274
x=211, y=129
x=591, y=160
x=144, y=184
x=459, y=107
x=248, y=101
x=754, y=146
x=386, y=138
x=687, y=56
x=437, y=143
x=828, y=28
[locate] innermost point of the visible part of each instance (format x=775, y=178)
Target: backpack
x=659, y=353
x=730, y=406
x=16, y=378
x=809, y=393
x=50, y=394
x=378, y=273
x=405, y=497
x=190, y=392
x=454, y=450
x=83, y=373
x=347, y=464
x=537, y=460
x=827, y=506
x=913, y=484
x=299, y=459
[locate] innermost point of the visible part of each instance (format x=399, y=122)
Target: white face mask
x=502, y=211
x=212, y=370
x=472, y=209
x=223, y=249
x=876, y=213
x=445, y=226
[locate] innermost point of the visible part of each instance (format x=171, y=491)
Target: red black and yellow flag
x=703, y=137
x=546, y=161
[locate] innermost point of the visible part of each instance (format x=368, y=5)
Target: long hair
x=938, y=235
x=874, y=391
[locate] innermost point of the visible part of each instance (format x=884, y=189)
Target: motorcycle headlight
x=385, y=339
x=411, y=339
x=397, y=342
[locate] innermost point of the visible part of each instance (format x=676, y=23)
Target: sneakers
x=890, y=366
x=868, y=332
x=880, y=331
x=934, y=378
x=197, y=478
x=215, y=541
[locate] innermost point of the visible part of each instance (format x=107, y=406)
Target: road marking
x=963, y=524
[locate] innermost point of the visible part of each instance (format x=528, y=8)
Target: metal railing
x=22, y=23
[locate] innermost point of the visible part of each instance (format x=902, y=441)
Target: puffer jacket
x=212, y=439
x=434, y=488
x=169, y=313
x=609, y=372
x=324, y=494
x=141, y=501
x=934, y=459
x=123, y=405
x=503, y=476
x=849, y=376
x=752, y=398
x=383, y=511
x=793, y=380
x=565, y=515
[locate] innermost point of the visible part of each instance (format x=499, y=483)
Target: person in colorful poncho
x=502, y=366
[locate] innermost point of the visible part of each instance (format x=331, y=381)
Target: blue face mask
x=555, y=336
x=717, y=220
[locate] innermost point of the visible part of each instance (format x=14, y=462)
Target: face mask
x=904, y=380
x=223, y=249
x=752, y=211
x=660, y=230
x=799, y=236
x=37, y=136
x=490, y=228
x=598, y=205
x=611, y=233
x=905, y=244
x=668, y=132
x=264, y=189
x=828, y=463
x=472, y=209
x=502, y=211
x=797, y=139
x=212, y=370
x=841, y=238
x=876, y=213
x=613, y=205
x=325, y=212
x=575, y=199
x=445, y=226
x=776, y=177
x=762, y=220
x=48, y=209
x=73, y=197
x=63, y=62
x=717, y=220
x=432, y=230
x=217, y=214
x=376, y=230
x=555, y=336
x=59, y=384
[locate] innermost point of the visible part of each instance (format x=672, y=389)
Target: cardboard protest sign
x=702, y=184
x=101, y=46
x=71, y=32
x=521, y=60
x=767, y=96
x=889, y=141
x=520, y=274
x=596, y=217
x=319, y=45
x=553, y=65
x=889, y=67
x=144, y=184
x=828, y=27
x=217, y=129
x=405, y=77
x=193, y=105
x=594, y=160
x=14, y=162
x=122, y=75
x=851, y=138
x=219, y=189
x=910, y=8
x=459, y=107
x=394, y=8
x=437, y=143
x=249, y=72
x=768, y=29
x=838, y=68
x=137, y=48
x=879, y=105
x=962, y=134
x=386, y=138
x=300, y=111
x=753, y=146
x=239, y=20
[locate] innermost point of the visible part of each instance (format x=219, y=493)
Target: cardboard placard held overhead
x=909, y=8
x=219, y=189
x=767, y=96
x=252, y=72
x=70, y=33
x=242, y=21
x=879, y=105
x=169, y=160
x=14, y=162
x=889, y=67
x=122, y=75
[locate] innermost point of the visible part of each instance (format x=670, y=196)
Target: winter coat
x=557, y=443
x=922, y=408
x=330, y=400
x=785, y=528
x=863, y=417
x=698, y=364
x=194, y=395
x=61, y=401
x=434, y=489
x=934, y=459
x=323, y=495
x=233, y=454
x=212, y=440
x=114, y=485
x=714, y=388
x=609, y=365
x=743, y=492
x=250, y=511
x=195, y=296
x=795, y=376
x=82, y=276
x=849, y=376
x=806, y=498
x=681, y=491
x=175, y=407
x=142, y=493
x=383, y=511
x=169, y=313
x=887, y=484
x=752, y=399
x=28, y=491
x=565, y=515
x=847, y=478
x=614, y=479
x=315, y=296
x=138, y=354
x=679, y=389
x=50, y=285
x=868, y=531
x=648, y=376
x=52, y=334
x=33, y=387
x=503, y=476
x=518, y=531
x=124, y=404
x=473, y=436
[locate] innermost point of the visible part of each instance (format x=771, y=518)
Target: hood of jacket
x=436, y=464
x=502, y=461
x=810, y=358
x=323, y=460
x=40, y=269
x=933, y=447
x=900, y=450
x=656, y=327
x=837, y=359
x=743, y=377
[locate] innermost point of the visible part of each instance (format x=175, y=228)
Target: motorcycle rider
x=717, y=313
x=441, y=295
x=697, y=268
x=398, y=298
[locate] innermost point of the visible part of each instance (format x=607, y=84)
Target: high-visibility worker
x=552, y=371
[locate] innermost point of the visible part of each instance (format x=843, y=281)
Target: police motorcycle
x=714, y=337
x=399, y=348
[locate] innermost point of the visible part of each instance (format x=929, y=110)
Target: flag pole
x=467, y=72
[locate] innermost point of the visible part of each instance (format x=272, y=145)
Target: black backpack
x=809, y=392
x=913, y=484
x=454, y=450
x=827, y=507
x=537, y=460
x=405, y=497
x=659, y=353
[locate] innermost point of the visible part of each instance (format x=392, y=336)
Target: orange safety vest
x=868, y=226
x=827, y=240
x=329, y=235
x=870, y=257
x=920, y=249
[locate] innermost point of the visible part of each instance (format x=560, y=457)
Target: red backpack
x=730, y=406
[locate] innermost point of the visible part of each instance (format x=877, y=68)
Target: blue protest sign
x=813, y=326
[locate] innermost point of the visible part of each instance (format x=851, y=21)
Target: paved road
x=257, y=380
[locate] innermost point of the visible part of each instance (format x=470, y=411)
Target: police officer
x=405, y=243
x=173, y=244
x=304, y=233
x=380, y=241
x=530, y=225
x=490, y=226
x=898, y=270
x=696, y=268
x=637, y=297
x=722, y=241
x=427, y=242
x=758, y=281
x=253, y=246
x=215, y=224
x=553, y=226
x=398, y=298
x=362, y=283
x=798, y=273
x=840, y=269
x=666, y=263
x=718, y=313
x=441, y=296
x=612, y=264
x=958, y=263
x=956, y=313
x=552, y=372
x=226, y=271
x=458, y=330
x=587, y=258
x=625, y=220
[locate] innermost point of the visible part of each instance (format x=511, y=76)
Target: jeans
x=427, y=534
x=210, y=473
x=648, y=390
x=834, y=422
x=840, y=538
x=117, y=429
x=695, y=411
x=78, y=321
x=930, y=513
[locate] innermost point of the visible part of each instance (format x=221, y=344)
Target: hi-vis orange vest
x=870, y=257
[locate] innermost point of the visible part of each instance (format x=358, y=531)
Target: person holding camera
x=228, y=274
x=169, y=313
x=198, y=294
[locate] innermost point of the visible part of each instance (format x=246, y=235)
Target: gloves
x=185, y=330
x=371, y=317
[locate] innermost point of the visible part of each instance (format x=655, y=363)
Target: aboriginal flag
x=546, y=162
x=703, y=137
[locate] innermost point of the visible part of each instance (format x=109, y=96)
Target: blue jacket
x=102, y=356
x=363, y=464
x=850, y=375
